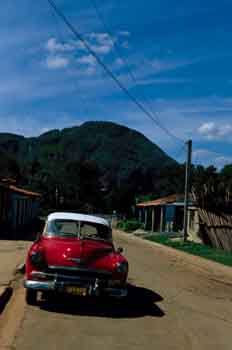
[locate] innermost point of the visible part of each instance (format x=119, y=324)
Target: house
x=23, y=207
x=166, y=214
x=4, y=205
x=18, y=207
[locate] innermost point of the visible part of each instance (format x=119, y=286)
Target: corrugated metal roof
x=161, y=201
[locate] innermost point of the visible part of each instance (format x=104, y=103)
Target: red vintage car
x=75, y=254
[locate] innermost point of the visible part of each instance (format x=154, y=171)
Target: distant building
x=24, y=206
x=4, y=205
x=18, y=207
x=166, y=214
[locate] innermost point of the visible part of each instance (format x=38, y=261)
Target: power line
x=118, y=52
x=109, y=72
x=179, y=152
x=115, y=46
x=58, y=30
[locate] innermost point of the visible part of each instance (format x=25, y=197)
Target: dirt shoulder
x=12, y=253
x=217, y=271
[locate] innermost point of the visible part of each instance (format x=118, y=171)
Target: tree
x=212, y=189
x=9, y=166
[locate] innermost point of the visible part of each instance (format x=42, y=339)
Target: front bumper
x=94, y=287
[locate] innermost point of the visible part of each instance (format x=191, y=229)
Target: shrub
x=129, y=225
x=120, y=224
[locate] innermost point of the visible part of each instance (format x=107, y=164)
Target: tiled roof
x=25, y=192
x=161, y=201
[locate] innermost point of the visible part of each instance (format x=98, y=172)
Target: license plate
x=76, y=291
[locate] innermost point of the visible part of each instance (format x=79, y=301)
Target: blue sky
x=178, y=51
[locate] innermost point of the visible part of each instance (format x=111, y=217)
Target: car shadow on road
x=139, y=303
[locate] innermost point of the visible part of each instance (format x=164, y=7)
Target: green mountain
x=106, y=152
x=112, y=146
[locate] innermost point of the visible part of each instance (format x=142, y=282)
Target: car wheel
x=31, y=297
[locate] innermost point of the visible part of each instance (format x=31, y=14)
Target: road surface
x=172, y=306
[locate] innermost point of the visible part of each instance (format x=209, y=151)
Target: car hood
x=78, y=253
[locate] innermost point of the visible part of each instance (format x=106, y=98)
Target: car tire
x=31, y=297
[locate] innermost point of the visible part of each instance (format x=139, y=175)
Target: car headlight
x=37, y=260
x=122, y=267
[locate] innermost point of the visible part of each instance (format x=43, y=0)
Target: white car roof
x=78, y=217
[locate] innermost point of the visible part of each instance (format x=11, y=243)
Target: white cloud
x=213, y=131
x=101, y=49
x=102, y=38
x=159, y=65
x=54, y=46
x=206, y=157
x=148, y=68
x=221, y=161
x=89, y=60
x=204, y=153
x=101, y=43
x=89, y=63
x=162, y=81
x=57, y=62
x=59, y=55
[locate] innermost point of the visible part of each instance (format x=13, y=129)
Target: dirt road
x=175, y=306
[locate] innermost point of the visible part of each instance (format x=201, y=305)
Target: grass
x=198, y=249
x=129, y=225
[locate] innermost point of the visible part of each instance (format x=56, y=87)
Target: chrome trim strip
x=52, y=285
x=39, y=285
x=80, y=269
x=38, y=274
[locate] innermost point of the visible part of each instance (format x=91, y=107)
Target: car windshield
x=79, y=229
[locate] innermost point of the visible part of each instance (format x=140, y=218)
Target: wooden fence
x=218, y=228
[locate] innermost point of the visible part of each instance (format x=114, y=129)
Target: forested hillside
x=95, y=165
x=98, y=166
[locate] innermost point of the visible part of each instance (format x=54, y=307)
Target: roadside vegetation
x=198, y=249
x=129, y=225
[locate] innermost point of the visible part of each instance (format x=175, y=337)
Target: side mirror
x=119, y=250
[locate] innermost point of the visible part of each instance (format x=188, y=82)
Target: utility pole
x=186, y=192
